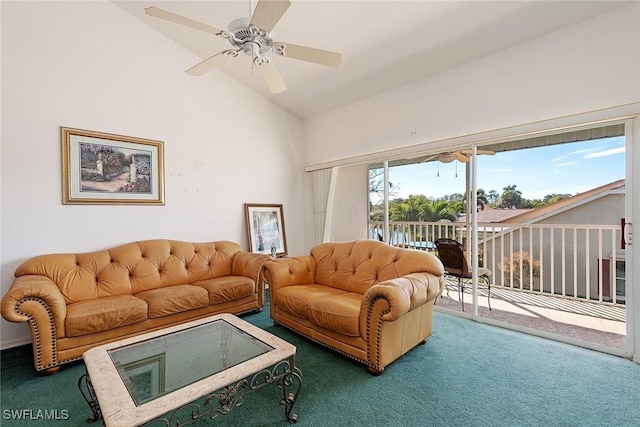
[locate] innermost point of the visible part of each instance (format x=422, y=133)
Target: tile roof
x=533, y=214
x=495, y=215
x=489, y=215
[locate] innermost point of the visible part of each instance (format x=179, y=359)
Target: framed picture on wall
x=103, y=168
x=265, y=228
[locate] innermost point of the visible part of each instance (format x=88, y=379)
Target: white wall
x=586, y=67
x=90, y=65
x=608, y=209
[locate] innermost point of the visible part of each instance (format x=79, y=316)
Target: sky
x=570, y=168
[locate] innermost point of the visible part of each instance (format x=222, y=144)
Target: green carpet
x=468, y=374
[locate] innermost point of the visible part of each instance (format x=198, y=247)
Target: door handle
x=627, y=233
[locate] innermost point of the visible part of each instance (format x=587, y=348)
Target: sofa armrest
x=36, y=299
x=250, y=265
x=282, y=272
x=392, y=299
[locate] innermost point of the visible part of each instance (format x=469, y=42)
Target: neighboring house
x=601, y=205
x=489, y=214
x=573, y=242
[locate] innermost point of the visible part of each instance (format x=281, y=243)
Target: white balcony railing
x=582, y=262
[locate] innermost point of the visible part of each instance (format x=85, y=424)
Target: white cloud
x=610, y=152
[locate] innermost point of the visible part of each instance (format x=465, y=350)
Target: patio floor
x=580, y=320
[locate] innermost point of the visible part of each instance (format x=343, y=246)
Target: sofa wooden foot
x=374, y=371
x=50, y=371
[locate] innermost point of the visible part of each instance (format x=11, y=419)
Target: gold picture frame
x=265, y=228
x=103, y=168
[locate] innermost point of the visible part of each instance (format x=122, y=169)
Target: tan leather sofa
x=365, y=299
x=74, y=302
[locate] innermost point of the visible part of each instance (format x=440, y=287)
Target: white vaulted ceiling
x=384, y=44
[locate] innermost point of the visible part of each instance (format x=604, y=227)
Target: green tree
x=511, y=197
x=481, y=198
x=422, y=208
x=552, y=198
x=493, y=197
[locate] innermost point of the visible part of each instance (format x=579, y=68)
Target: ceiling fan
x=253, y=37
x=462, y=156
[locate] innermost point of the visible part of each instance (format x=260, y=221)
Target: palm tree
x=511, y=197
x=493, y=196
x=481, y=198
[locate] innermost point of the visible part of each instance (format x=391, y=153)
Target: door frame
x=632, y=215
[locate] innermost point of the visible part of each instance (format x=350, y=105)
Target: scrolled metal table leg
x=289, y=399
x=86, y=388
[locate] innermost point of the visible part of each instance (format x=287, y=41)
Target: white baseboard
x=5, y=345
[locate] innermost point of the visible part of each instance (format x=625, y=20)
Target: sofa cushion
x=338, y=313
x=104, y=313
x=227, y=288
x=174, y=299
x=296, y=299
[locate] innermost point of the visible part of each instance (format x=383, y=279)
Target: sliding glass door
x=541, y=223
x=552, y=238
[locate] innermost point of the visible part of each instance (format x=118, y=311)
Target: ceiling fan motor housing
x=247, y=36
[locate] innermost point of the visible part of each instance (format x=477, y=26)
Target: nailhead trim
x=36, y=332
x=351, y=356
x=38, y=344
x=378, y=329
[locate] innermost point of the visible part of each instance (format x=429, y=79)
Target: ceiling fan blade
x=210, y=63
x=178, y=19
x=485, y=152
x=268, y=12
x=478, y=152
x=461, y=157
x=429, y=158
x=310, y=54
x=272, y=77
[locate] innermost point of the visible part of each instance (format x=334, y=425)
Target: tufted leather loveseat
x=74, y=302
x=364, y=299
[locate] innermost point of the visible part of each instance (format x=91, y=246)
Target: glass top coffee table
x=182, y=373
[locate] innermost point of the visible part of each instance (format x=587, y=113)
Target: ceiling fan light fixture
x=447, y=157
x=251, y=48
